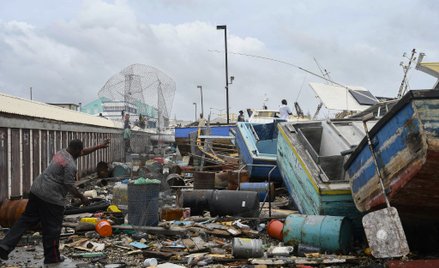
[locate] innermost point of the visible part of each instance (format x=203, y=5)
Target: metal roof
x=23, y=107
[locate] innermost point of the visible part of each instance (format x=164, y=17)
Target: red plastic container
x=274, y=229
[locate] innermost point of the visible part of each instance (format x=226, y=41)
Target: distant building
x=70, y=106
x=112, y=109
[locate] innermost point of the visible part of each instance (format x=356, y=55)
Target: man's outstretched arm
x=90, y=150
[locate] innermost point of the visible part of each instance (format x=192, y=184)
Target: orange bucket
x=274, y=229
x=104, y=228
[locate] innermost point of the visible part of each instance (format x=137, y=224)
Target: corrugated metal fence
x=28, y=144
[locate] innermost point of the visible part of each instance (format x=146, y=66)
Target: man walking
x=47, y=198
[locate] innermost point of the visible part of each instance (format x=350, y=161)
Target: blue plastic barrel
x=260, y=187
x=121, y=170
x=329, y=233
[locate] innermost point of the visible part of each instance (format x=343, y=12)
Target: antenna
x=405, y=68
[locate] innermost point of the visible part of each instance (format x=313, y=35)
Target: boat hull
x=301, y=177
x=183, y=140
x=259, y=164
x=406, y=144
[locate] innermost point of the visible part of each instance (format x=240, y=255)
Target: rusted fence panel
x=27, y=146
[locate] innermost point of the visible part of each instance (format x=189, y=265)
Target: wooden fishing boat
x=218, y=133
x=310, y=159
x=406, y=144
x=257, y=149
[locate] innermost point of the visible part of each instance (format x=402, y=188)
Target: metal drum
x=247, y=248
x=143, y=204
x=329, y=233
x=11, y=210
x=197, y=200
x=204, y=180
x=234, y=203
x=261, y=188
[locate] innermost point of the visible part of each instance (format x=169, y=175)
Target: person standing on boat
x=201, y=121
x=47, y=199
x=284, y=110
x=241, y=116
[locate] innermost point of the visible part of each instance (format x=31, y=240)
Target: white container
x=120, y=195
x=150, y=262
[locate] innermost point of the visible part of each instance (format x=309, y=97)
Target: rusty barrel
x=236, y=177
x=11, y=210
x=103, y=170
x=204, y=180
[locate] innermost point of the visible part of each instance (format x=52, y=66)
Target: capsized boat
x=310, y=159
x=406, y=144
x=257, y=149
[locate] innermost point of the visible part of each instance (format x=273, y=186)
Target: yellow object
x=368, y=251
x=113, y=208
x=90, y=220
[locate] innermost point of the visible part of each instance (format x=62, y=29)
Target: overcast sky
x=67, y=50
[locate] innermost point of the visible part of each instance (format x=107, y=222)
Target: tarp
x=336, y=97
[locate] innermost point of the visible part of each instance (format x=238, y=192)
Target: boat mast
x=406, y=68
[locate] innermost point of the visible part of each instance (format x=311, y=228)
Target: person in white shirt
x=284, y=110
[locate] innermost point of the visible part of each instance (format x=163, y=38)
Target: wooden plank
x=26, y=157
x=51, y=142
x=3, y=163
x=43, y=161
x=15, y=162
x=35, y=153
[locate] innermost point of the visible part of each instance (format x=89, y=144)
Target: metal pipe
x=372, y=151
x=224, y=27
x=201, y=93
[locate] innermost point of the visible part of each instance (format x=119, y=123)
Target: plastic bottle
x=150, y=262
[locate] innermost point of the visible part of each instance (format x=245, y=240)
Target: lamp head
x=221, y=27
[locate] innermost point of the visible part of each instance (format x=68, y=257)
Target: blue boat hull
x=310, y=194
x=182, y=135
x=406, y=143
x=259, y=156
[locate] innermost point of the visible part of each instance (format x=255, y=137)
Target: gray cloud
x=69, y=60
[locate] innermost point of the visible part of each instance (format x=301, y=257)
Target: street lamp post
x=195, y=118
x=201, y=92
x=224, y=27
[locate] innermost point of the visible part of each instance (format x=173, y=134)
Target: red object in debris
x=160, y=160
x=274, y=229
x=104, y=228
x=413, y=263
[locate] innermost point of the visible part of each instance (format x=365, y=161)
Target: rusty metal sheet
x=43, y=162
x=58, y=145
x=51, y=143
x=35, y=153
x=3, y=163
x=26, y=157
x=15, y=162
x=428, y=263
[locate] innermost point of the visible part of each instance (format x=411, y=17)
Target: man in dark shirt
x=47, y=198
